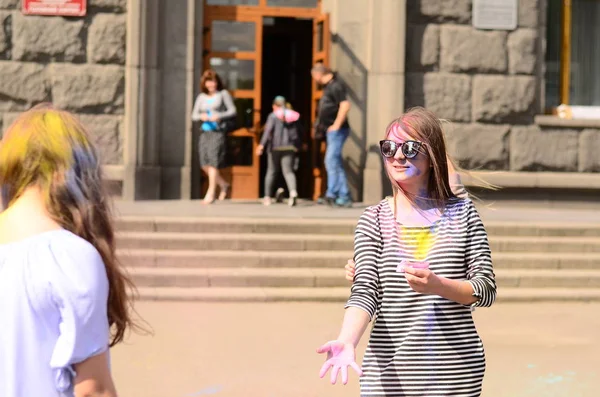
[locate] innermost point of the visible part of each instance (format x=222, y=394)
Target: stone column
x=368, y=52
x=190, y=181
x=142, y=95
x=386, y=88
x=174, y=48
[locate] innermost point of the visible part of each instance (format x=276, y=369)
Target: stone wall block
x=422, y=46
x=88, y=88
x=589, y=150
x=479, y=145
x=522, y=51
x=105, y=132
x=45, y=39
x=106, y=39
x=530, y=13
x=532, y=149
x=21, y=85
x=464, y=49
x=8, y=4
x=5, y=18
x=447, y=95
x=504, y=99
x=439, y=11
x=109, y=5
x=7, y=119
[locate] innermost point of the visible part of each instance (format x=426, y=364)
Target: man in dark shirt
x=332, y=125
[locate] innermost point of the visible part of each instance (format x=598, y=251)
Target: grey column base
x=185, y=187
x=376, y=184
x=142, y=183
x=175, y=183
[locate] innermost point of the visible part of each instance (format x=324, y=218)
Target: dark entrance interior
x=286, y=63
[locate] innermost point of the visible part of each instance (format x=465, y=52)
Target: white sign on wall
x=495, y=14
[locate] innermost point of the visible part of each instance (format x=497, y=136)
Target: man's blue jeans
x=337, y=185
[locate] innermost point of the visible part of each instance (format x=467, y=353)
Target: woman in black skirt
x=212, y=107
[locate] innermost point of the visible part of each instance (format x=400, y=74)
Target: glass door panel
x=233, y=48
x=237, y=74
x=232, y=2
x=293, y=3
x=232, y=36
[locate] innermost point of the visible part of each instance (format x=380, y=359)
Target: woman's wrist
x=456, y=290
x=347, y=340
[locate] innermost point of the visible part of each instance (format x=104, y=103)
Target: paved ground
x=490, y=211
x=267, y=350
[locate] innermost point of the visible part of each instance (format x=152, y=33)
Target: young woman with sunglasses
x=423, y=262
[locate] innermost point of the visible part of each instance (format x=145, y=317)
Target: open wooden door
x=321, y=50
x=233, y=48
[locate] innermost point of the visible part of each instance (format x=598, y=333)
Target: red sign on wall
x=67, y=8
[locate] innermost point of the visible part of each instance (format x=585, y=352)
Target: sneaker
x=344, y=203
x=292, y=201
x=267, y=201
x=326, y=201
x=279, y=195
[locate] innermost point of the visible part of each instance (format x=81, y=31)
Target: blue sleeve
x=80, y=290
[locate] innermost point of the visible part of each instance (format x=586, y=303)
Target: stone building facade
x=490, y=84
x=130, y=69
x=76, y=63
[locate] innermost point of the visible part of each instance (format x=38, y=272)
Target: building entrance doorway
x=264, y=48
x=287, y=59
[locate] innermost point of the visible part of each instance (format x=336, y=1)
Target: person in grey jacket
x=214, y=106
x=281, y=140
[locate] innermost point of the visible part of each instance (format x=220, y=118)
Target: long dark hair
x=50, y=149
x=210, y=75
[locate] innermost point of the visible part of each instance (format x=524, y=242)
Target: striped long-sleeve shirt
x=421, y=345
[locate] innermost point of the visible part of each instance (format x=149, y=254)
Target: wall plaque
x=66, y=8
x=495, y=14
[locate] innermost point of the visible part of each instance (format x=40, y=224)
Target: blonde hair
x=50, y=149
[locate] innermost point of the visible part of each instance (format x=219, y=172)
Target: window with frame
x=572, y=53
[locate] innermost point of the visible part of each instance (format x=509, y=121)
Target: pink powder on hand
x=414, y=265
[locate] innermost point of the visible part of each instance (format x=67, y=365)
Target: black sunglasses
x=410, y=149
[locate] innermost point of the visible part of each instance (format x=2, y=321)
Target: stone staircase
x=302, y=259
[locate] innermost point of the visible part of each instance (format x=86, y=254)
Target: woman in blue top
x=62, y=289
x=213, y=106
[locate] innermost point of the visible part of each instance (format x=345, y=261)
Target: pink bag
x=287, y=115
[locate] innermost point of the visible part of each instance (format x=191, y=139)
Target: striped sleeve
x=480, y=272
x=367, y=249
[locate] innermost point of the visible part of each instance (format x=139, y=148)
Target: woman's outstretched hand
x=350, y=270
x=340, y=356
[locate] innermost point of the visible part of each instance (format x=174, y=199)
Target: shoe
x=326, y=201
x=343, y=203
x=224, y=192
x=292, y=201
x=279, y=195
x=208, y=200
x=267, y=201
